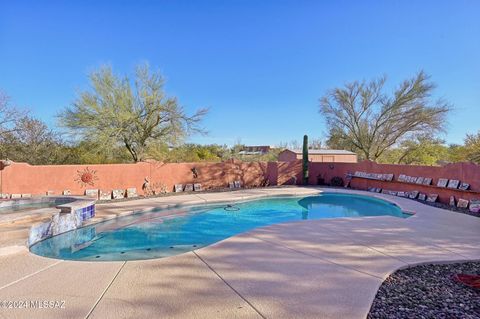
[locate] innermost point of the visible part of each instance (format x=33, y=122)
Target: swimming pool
x=163, y=233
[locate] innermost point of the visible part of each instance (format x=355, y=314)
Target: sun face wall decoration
x=86, y=177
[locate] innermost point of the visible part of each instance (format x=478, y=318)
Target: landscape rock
x=427, y=291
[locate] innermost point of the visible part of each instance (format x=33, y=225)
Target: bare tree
x=294, y=144
x=30, y=140
x=9, y=115
x=362, y=118
x=315, y=143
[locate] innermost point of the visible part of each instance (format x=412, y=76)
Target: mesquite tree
x=363, y=119
x=136, y=115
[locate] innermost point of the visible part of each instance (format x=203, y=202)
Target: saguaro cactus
x=305, y=159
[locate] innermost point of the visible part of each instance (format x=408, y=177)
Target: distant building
x=325, y=156
x=254, y=150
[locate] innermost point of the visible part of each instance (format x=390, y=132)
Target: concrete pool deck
x=328, y=268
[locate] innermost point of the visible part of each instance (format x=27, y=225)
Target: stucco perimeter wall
x=22, y=178
x=465, y=172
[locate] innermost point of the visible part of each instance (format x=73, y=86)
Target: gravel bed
x=427, y=291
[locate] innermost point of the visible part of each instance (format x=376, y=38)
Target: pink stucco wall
x=288, y=155
x=465, y=172
x=22, y=178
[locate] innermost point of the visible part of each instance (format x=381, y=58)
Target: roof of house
x=251, y=152
x=256, y=147
x=254, y=150
x=324, y=152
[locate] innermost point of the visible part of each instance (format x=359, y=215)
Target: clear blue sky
x=260, y=66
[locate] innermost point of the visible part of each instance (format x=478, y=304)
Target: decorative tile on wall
x=118, y=193
x=132, y=192
x=93, y=193
x=85, y=213
x=105, y=195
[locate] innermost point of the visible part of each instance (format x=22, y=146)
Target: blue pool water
x=155, y=235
